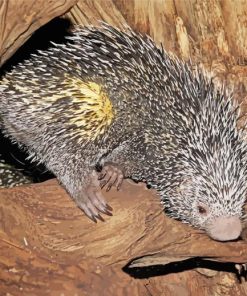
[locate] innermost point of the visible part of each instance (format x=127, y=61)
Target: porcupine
x=115, y=100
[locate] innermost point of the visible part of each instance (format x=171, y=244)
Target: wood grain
x=49, y=246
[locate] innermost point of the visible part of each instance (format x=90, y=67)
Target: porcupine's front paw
x=111, y=175
x=91, y=199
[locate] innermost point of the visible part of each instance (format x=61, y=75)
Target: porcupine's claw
x=111, y=175
x=93, y=200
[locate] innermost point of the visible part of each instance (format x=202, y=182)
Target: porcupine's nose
x=224, y=228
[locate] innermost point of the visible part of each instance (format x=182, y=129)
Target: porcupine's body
x=114, y=99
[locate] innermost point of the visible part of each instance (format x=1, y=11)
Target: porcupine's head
x=207, y=188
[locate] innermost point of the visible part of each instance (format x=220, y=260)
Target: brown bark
x=209, y=28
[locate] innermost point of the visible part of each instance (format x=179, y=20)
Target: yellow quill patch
x=94, y=112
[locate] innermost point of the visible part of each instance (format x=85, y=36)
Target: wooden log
x=47, y=244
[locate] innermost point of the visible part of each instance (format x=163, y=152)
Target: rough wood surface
x=49, y=247
x=210, y=29
x=20, y=18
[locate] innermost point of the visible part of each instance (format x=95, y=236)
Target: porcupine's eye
x=202, y=209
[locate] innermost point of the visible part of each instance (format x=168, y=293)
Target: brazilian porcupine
x=114, y=100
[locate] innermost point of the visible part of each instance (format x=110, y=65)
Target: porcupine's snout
x=224, y=228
